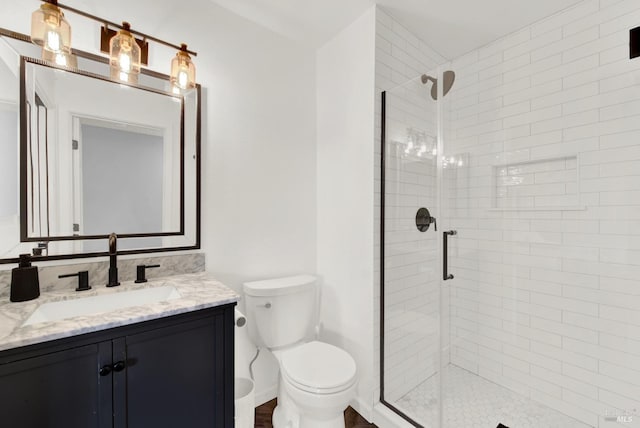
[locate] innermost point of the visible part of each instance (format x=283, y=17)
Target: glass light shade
x=50, y=29
x=183, y=70
x=65, y=59
x=125, y=56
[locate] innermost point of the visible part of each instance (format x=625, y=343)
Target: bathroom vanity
x=158, y=354
x=165, y=364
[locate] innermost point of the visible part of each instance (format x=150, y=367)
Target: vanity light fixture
x=124, y=54
x=183, y=70
x=50, y=29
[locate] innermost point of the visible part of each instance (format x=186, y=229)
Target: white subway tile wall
x=544, y=128
x=546, y=299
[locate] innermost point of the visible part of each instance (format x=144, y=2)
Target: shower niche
x=543, y=184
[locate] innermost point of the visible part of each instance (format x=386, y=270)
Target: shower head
x=448, y=78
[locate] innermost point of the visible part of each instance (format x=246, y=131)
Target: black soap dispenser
x=24, y=281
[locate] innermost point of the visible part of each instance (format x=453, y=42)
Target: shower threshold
x=470, y=401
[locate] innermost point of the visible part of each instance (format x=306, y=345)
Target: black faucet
x=83, y=280
x=113, y=261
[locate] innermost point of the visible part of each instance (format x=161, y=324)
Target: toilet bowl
x=320, y=379
x=317, y=380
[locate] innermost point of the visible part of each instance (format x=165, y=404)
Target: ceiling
x=451, y=27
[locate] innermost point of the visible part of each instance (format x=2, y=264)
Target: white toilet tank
x=281, y=311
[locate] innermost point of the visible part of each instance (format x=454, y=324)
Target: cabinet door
x=61, y=389
x=177, y=376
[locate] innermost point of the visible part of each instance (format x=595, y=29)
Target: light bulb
x=124, y=76
x=52, y=41
x=460, y=163
x=61, y=59
x=434, y=151
x=183, y=79
x=124, y=60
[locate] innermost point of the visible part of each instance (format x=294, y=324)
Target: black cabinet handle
x=445, y=254
x=105, y=370
x=116, y=367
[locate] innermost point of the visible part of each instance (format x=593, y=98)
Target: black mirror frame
x=25, y=145
x=198, y=151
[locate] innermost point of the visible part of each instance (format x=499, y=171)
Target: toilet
x=317, y=380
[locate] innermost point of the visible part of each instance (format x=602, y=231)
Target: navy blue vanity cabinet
x=172, y=372
x=57, y=389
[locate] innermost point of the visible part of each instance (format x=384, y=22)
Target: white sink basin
x=54, y=311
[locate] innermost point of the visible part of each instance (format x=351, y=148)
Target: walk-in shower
x=533, y=159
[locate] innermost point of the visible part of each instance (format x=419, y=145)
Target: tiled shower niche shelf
x=549, y=184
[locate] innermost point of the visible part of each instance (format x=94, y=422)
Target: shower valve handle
x=424, y=220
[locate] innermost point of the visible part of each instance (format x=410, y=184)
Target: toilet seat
x=318, y=368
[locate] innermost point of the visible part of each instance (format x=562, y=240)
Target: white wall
x=259, y=208
x=345, y=97
x=258, y=123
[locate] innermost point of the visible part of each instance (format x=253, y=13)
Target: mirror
x=87, y=156
x=125, y=150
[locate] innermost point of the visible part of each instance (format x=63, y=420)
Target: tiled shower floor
x=470, y=401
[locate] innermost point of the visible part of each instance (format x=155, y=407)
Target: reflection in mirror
x=67, y=186
x=37, y=178
x=9, y=143
x=138, y=183
x=101, y=157
x=9, y=218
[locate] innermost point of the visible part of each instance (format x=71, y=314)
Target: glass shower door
x=411, y=254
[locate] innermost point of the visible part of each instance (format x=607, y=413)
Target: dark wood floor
x=351, y=418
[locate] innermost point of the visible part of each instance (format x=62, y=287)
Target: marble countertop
x=197, y=291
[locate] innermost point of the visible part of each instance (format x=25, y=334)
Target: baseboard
x=266, y=394
x=363, y=408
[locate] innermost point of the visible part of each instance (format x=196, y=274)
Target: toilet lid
x=319, y=368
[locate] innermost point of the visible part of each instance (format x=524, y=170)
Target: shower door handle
x=445, y=254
